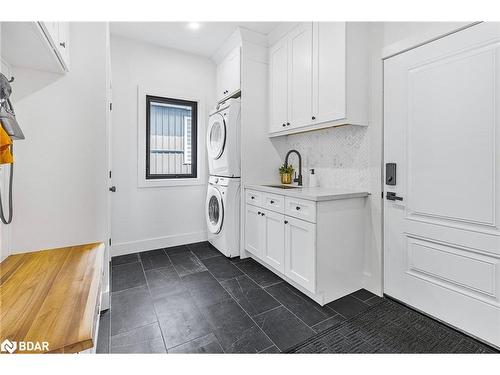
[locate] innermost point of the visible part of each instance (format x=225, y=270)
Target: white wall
x=60, y=187
x=153, y=217
x=4, y=230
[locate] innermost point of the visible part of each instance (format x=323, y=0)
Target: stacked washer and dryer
x=222, y=208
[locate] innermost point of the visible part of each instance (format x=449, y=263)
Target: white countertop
x=317, y=194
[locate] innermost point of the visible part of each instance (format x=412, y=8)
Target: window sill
x=167, y=182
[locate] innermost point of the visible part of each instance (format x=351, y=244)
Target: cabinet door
x=274, y=240
x=62, y=44
x=221, y=72
x=300, y=76
x=228, y=75
x=233, y=69
x=278, y=86
x=300, y=252
x=53, y=31
x=329, y=71
x=254, y=230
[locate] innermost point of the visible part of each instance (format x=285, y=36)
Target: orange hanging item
x=5, y=148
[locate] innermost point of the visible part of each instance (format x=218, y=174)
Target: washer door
x=216, y=136
x=214, y=210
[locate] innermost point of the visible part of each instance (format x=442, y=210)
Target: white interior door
x=441, y=128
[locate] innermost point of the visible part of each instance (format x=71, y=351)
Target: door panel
x=300, y=252
x=253, y=230
x=274, y=240
x=441, y=128
x=278, y=66
x=300, y=76
x=329, y=71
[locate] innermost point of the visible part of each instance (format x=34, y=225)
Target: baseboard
x=157, y=243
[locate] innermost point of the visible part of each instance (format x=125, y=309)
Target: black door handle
x=393, y=197
x=112, y=189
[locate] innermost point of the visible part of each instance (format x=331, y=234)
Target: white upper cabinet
x=42, y=46
x=278, y=86
x=63, y=42
x=300, y=76
x=57, y=34
x=228, y=75
x=326, y=81
x=254, y=230
x=329, y=74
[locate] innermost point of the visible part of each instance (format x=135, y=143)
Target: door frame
x=387, y=52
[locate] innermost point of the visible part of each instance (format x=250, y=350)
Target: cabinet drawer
x=253, y=197
x=273, y=202
x=301, y=209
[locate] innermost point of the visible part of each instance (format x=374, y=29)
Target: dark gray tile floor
x=191, y=299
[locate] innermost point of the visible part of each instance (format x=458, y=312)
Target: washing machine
x=222, y=211
x=223, y=140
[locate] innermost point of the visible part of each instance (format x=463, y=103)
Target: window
x=170, y=138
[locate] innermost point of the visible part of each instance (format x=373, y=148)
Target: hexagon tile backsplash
x=338, y=155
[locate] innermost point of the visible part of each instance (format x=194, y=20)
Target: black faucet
x=296, y=179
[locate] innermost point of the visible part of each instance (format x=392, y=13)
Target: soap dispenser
x=313, y=182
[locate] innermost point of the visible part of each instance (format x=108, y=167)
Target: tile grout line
x=315, y=307
x=263, y=350
x=152, y=302
x=199, y=337
x=241, y=307
x=191, y=295
x=291, y=312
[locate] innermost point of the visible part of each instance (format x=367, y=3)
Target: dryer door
x=214, y=210
x=216, y=136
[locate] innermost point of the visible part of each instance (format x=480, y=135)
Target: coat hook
x=11, y=79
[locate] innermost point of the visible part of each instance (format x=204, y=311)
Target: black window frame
x=194, y=137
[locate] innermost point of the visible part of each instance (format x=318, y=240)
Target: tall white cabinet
x=318, y=77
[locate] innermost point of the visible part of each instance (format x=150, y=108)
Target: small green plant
x=286, y=169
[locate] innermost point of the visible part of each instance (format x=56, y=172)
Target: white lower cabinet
x=300, y=256
x=315, y=246
x=254, y=230
x=273, y=250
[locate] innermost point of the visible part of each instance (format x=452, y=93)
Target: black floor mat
x=389, y=327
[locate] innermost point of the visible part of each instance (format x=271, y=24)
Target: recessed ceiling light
x=194, y=25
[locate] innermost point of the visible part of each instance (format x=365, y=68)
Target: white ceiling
x=203, y=41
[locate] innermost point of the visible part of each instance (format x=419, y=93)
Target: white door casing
x=441, y=128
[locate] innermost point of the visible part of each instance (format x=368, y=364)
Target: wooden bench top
x=52, y=296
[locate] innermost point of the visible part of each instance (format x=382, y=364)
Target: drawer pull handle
x=272, y=202
x=252, y=197
x=286, y=221
x=297, y=208
x=258, y=213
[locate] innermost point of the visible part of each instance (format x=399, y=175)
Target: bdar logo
x=8, y=346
